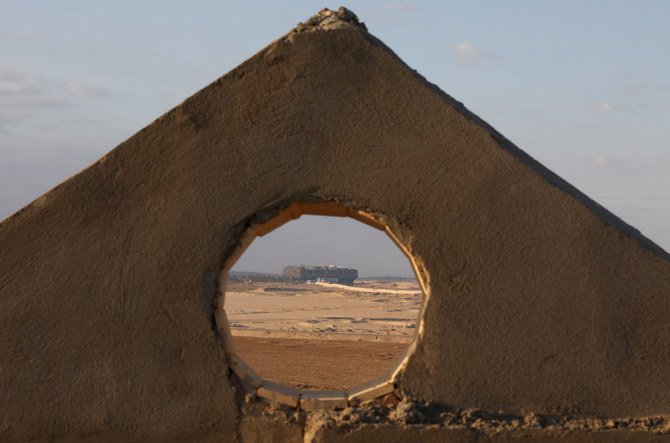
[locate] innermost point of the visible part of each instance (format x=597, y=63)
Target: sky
x=584, y=87
x=319, y=240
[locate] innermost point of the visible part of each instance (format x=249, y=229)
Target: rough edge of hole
x=266, y=221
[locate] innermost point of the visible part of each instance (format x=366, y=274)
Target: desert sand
x=299, y=334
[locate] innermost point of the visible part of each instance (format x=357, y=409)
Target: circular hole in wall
x=319, y=303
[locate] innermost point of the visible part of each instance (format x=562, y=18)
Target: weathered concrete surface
x=412, y=420
x=539, y=300
x=437, y=434
x=259, y=428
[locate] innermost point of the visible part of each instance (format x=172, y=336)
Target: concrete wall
x=539, y=300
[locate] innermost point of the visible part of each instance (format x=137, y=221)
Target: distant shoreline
x=273, y=275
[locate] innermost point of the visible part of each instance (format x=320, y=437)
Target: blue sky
x=318, y=240
x=584, y=87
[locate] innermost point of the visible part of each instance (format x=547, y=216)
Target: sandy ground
x=312, y=311
x=316, y=337
x=364, y=288
x=318, y=364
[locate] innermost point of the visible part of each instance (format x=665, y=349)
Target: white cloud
x=600, y=160
x=20, y=89
x=6, y=120
x=21, y=95
x=84, y=90
x=605, y=106
x=469, y=53
x=14, y=81
x=400, y=6
x=18, y=35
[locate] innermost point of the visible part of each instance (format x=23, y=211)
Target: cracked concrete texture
x=541, y=302
x=415, y=420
